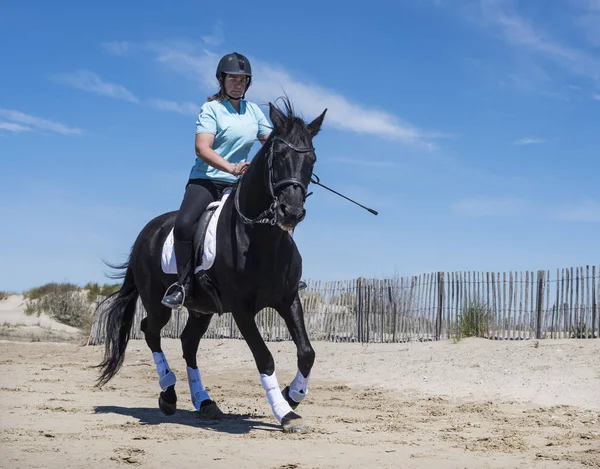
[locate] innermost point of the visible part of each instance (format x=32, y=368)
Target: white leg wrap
x=197, y=390
x=299, y=387
x=278, y=403
x=166, y=377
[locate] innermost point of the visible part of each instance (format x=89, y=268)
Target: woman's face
x=235, y=85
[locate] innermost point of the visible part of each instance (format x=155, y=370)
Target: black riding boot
x=183, y=257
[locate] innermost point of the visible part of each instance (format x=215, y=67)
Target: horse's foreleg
x=294, y=319
x=151, y=326
x=195, y=328
x=290, y=421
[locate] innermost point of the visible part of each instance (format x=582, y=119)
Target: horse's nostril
x=292, y=213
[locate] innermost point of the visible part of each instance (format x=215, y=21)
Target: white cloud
x=89, y=81
x=589, y=21
x=185, y=59
x=362, y=162
x=521, y=33
x=270, y=82
x=587, y=211
x=217, y=36
x=596, y=97
x=39, y=123
x=590, y=25
x=490, y=206
x=119, y=48
x=342, y=113
x=186, y=108
x=528, y=141
x=12, y=127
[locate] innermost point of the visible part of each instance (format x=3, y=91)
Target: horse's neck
x=255, y=197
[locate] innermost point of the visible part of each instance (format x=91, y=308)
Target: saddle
x=204, y=255
x=204, y=249
x=200, y=238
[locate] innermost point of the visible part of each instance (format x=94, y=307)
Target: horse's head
x=290, y=160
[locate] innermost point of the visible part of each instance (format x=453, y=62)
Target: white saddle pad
x=168, y=261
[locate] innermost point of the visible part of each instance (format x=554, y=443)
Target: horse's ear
x=315, y=125
x=277, y=117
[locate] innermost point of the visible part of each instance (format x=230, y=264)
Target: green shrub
x=38, y=292
x=67, y=302
x=473, y=320
x=4, y=295
x=68, y=307
x=582, y=331
x=31, y=308
x=94, y=290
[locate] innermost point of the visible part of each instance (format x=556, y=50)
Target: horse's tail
x=119, y=318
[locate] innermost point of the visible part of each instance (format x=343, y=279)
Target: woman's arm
x=264, y=138
x=204, y=151
x=264, y=128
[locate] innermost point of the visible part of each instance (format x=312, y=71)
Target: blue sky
x=472, y=126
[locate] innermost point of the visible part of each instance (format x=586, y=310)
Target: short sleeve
x=264, y=128
x=206, y=123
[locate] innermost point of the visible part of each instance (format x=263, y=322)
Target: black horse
x=257, y=265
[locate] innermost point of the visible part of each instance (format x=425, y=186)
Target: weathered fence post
x=441, y=295
x=368, y=308
x=594, y=310
x=395, y=312
x=539, y=303
x=359, y=309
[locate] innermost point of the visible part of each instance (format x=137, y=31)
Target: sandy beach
x=471, y=404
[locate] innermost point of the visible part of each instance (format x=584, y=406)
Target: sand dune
x=15, y=324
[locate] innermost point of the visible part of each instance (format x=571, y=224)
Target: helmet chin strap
x=231, y=98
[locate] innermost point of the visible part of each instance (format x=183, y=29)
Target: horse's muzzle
x=288, y=217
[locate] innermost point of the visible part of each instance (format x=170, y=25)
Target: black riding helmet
x=234, y=64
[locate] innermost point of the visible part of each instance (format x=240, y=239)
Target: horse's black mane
x=293, y=125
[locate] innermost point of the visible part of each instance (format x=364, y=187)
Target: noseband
x=268, y=216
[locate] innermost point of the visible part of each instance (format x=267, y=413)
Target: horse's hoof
x=286, y=394
x=166, y=407
x=210, y=410
x=292, y=423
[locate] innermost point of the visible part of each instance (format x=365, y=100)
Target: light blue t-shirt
x=235, y=134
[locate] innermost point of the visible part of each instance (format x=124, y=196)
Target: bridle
x=268, y=216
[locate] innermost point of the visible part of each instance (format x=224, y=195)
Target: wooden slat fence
x=432, y=306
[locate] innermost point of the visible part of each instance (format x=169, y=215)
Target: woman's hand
x=204, y=151
x=239, y=169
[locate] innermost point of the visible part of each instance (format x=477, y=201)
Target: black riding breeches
x=199, y=193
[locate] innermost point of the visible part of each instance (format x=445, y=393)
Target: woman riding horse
x=256, y=265
x=226, y=129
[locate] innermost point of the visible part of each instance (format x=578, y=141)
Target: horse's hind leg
x=196, y=326
x=151, y=325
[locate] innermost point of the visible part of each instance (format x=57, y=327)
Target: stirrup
x=178, y=286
